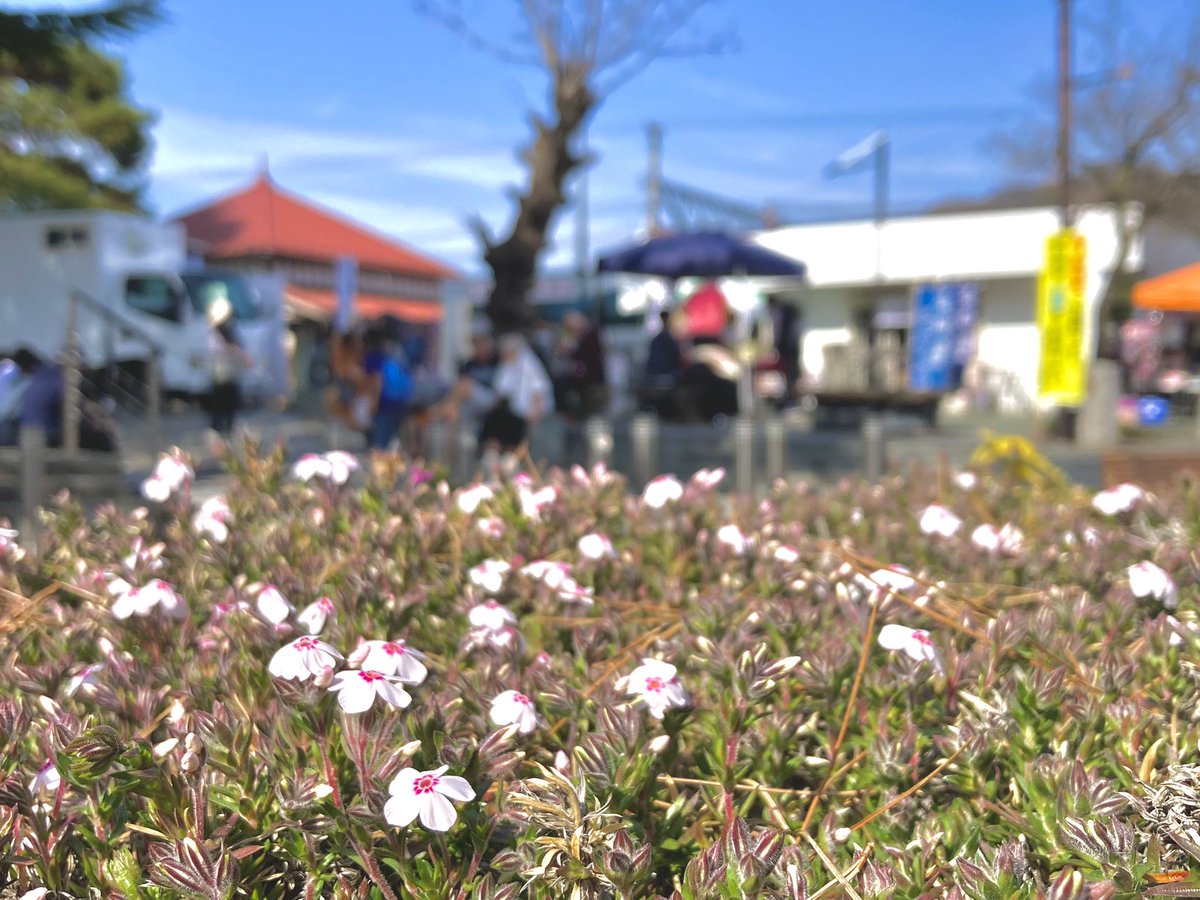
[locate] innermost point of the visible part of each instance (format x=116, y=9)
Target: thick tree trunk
x=514, y=260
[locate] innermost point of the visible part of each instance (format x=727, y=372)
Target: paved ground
x=818, y=455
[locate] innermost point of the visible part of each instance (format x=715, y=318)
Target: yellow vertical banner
x=1060, y=305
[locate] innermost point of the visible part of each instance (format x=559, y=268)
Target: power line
x=912, y=116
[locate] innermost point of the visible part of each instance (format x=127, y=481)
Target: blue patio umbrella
x=702, y=254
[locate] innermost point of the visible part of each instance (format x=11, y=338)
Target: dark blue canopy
x=700, y=255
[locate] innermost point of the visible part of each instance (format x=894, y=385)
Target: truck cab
x=173, y=310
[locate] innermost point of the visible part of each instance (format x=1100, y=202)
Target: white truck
x=135, y=287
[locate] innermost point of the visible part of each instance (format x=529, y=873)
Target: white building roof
x=977, y=245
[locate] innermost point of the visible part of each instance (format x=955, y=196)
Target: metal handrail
x=73, y=369
x=115, y=320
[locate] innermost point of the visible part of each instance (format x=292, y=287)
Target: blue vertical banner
x=345, y=278
x=932, y=340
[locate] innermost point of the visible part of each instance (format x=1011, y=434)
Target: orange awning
x=1177, y=291
x=322, y=304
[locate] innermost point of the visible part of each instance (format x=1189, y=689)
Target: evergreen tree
x=69, y=135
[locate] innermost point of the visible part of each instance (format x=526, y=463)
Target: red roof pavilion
x=265, y=228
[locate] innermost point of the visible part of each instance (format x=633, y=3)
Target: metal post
x=468, y=445
x=599, y=441
x=654, y=138
x=33, y=477
x=873, y=447
x=72, y=379
x=743, y=455
x=775, y=434
x=438, y=442
x=1064, y=113
x=644, y=429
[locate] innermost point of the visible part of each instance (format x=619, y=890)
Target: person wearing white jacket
x=524, y=397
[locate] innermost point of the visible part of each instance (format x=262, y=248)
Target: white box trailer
x=136, y=270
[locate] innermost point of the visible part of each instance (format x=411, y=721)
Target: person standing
x=586, y=378
x=524, y=396
x=393, y=382
x=226, y=361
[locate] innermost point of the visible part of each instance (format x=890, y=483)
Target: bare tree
x=586, y=48
x=1136, y=137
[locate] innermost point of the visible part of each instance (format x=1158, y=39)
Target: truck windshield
x=203, y=289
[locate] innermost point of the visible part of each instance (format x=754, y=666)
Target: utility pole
x=654, y=140
x=1064, y=113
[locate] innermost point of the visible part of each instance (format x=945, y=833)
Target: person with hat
x=226, y=361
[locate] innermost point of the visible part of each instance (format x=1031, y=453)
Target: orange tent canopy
x=1177, y=291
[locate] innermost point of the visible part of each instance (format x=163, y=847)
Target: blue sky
x=368, y=107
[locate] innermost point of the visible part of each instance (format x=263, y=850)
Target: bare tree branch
x=586, y=48
x=449, y=14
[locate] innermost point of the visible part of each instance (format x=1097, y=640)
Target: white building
x=861, y=280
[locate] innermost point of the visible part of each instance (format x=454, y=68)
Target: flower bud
x=164, y=748
x=659, y=744
x=190, y=763
x=781, y=666
x=356, y=659
x=324, y=678
x=177, y=711
x=841, y=835
x=192, y=743
x=90, y=755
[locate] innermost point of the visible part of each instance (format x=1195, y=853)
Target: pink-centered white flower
x=913, y=642
x=893, y=578
x=470, y=498
x=1117, y=500
x=514, y=708
x=315, y=616
x=85, y=680
x=47, y=781
x=170, y=474
x=936, y=519
x=707, y=479
x=358, y=689
x=967, y=481
x=786, y=554
x=656, y=685
x=144, y=557
x=395, y=658
x=549, y=572
x=427, y=796
x=341, y=465
x=533, y=502
x=1149, y=580
x=1008, y=540
x=662, y=490
x=272, y=605
x=212, y=519
x=733, y=538
x=310, y=466
x=571, y=591
x=8, y=541
x=491, y=615
x=491, y=526
x=489, y=575
x=596, y=547
x=141, y=601
x=302, y=659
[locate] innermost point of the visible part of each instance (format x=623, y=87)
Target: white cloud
x=493, y=171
